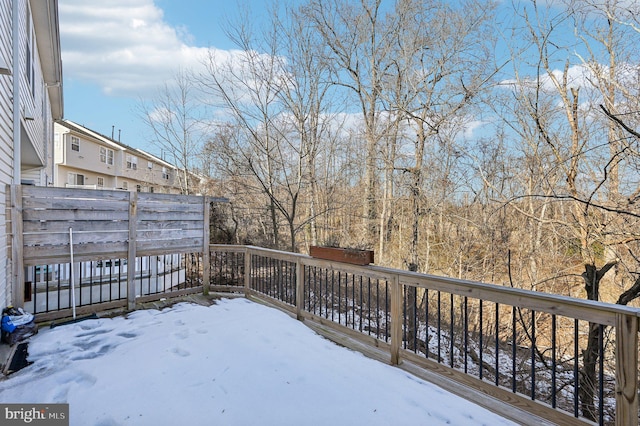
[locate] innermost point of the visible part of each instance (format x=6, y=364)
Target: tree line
x=489, y=141
x=481, y=140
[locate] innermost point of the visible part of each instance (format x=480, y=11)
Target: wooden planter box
x=345, y=255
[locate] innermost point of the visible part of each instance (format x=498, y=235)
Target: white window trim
x=73, y=178
x=106, y=155
x=132, y=162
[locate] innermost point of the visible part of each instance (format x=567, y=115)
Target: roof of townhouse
x=109, y=141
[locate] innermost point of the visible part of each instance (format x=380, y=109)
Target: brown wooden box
x=345, y=255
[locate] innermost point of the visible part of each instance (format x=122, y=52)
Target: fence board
x=73, y=215
x=74, y=203
x=168, y=234
x=43, y=192
x=62, y=238
x=77, y=225
x=38, y=255
x=155, y=215
x=149, y=198
x=145, y=225
x=170, y=246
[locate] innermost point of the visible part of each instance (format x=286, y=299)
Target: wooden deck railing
x=522, y=347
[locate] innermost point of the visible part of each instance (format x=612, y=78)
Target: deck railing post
x=626, y=370
x=206, y=251
x=131, y=252
x=247, y=271
x=17, y=259
x=299, y=289
x=396, y=319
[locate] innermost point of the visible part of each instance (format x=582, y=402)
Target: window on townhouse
x=151, y=190
x=75, y=144
x=100, y=182
x=75, y=179
x=132, y=162
x=138, y=188
x=106, y=156
x=149, y=165
x=125, y=185
x=165, y=173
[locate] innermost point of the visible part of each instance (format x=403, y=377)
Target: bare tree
x=439, y=67
x=359, y=42
x=310, y=104
x=273, y=91
x=175, y=118
x=586, y=153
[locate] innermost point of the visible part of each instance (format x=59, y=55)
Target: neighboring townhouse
x=87, y=159
x=30, y=101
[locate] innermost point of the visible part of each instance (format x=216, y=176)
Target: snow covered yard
x=233, y=363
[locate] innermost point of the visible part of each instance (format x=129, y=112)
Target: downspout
x=16, y=288
x=15, y=74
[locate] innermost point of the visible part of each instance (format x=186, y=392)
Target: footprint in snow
x=93, y=333
x=92, y=355
x=182, y=335
x=180, y=352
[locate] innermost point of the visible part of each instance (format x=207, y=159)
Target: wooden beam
x=131, y=253
x=17, y=244
x=247, y=271
x=626, y=370
x=168, y=294
x=80, y=310
x=396, y=320
x=206, y=255
x=299, y=289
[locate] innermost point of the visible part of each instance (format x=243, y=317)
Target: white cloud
x=123, y=46
x=578, y=76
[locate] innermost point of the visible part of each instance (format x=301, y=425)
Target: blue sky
x=117, y=52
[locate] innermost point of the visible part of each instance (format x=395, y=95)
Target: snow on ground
x=233, y=363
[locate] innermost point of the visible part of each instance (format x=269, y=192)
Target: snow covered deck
x=234, y=363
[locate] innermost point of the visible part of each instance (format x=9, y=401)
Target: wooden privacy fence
x=522, y=347
x=103, y=225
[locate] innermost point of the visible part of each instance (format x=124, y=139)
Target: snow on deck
x=233, y=363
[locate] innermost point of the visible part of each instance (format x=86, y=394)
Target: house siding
x=34, y=111
x=6, y=145
x=86, y=161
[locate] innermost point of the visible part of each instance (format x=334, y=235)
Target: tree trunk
x=587, y=382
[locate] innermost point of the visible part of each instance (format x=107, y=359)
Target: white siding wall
x=6, y=146
x=34, y=101
x=38, y=129
x=86, y=161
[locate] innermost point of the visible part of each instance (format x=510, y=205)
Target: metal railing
x=524, y=347
x=103, y=284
